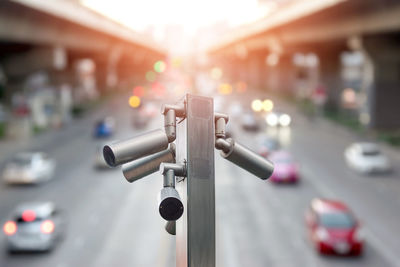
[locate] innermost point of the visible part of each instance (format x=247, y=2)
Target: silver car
x=34, y=227
x=29, y=168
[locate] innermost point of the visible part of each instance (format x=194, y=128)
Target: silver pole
x=195, y=230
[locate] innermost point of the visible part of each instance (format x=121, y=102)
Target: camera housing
x=170, y=205
x=134, y=148
x=142, y=167
x=170, y=227
x=245, y=158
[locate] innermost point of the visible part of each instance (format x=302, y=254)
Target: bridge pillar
x=330, y=74
x=385, y=90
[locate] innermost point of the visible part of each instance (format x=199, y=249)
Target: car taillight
x=28, y=216
x=47, y=227
x=10, y=228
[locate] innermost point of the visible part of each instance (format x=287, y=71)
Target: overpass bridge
x=54, y=35
x=270, y=53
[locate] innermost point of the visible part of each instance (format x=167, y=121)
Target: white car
x=29, y=168
x=366, y=158
x=34, y=226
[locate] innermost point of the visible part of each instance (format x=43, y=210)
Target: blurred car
x=333, y=228
x=139, y=122
x=366, y=158
x=29, y=168
x=267, y=145
x=104, y=128
x=286, y=170
x=33, y=226
x=99, y=162
x=249, y=122
x=278, y=119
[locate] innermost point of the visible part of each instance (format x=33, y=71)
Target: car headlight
x=284, y=120
x=272, y=119
x=322, y=234
x=359, y=235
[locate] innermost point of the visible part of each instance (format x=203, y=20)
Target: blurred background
x=313, y=85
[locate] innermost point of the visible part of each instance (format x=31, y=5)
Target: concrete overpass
x=36, y=34
x=327, y=29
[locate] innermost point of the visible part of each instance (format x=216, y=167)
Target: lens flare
x=138, y=91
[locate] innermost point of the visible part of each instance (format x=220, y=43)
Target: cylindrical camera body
x=170, y=204
x=142, y=167
x=134, y=148
x=247, y=159
x=170, y=227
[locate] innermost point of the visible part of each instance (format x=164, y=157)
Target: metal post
x=195, y=231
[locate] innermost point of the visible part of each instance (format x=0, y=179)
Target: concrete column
x=330, y=74
x=384, y=94
x=282, y=75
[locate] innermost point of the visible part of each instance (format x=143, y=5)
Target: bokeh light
x=158, y=89
x=138, y=91
x=216, y=73
x=176, y=62
x=272, y=119
x=150, y=76
x=160, y=66
x=267, y=105
x=225, y=89
x=134, y=101
x=257, y=105
x=285, y=120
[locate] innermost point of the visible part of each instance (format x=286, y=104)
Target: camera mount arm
x=239, y=154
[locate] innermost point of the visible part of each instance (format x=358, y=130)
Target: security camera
x=245, y=158
x=143, y=145
x=142, y=167
x=170, y=204
x=170, y=227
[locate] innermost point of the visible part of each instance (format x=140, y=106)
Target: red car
x=333, y=228
x=286, y=170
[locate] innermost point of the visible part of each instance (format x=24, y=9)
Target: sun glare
x=141, y=15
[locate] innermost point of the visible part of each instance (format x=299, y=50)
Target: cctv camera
x=142, y=167
x=170, y=204
x=143, y=145
x=245, y=158
x=170, y=227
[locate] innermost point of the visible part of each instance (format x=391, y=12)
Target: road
x=114, y=223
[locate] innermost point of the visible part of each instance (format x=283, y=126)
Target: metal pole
x=195, y=231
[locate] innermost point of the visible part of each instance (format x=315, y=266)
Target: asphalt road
x=114, y=223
